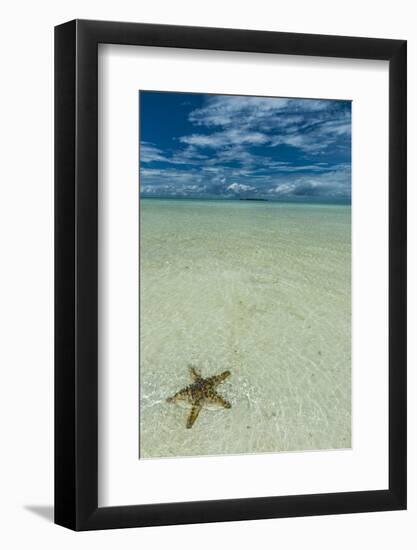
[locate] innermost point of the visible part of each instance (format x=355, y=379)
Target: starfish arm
x=195, y=374
x=192, y=417
x=218, y=378
x=179, y=396
x=219, y=400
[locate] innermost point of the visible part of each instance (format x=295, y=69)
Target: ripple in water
x=262, y=290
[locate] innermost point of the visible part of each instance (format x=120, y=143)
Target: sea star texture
x=202, y=391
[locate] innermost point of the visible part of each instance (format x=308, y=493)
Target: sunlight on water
x=260, y=289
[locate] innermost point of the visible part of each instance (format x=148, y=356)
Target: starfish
x=201, y=391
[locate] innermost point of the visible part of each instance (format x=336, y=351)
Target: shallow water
x=260, y=289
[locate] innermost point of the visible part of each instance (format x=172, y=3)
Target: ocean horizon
x=304, y=201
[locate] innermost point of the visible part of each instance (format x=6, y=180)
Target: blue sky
x=220, y=146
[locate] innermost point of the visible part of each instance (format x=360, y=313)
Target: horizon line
x=339, y=202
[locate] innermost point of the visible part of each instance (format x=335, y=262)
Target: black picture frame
x=76, y=272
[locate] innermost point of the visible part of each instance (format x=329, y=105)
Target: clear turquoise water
x=260, y=289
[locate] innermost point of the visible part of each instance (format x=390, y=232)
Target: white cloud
x=223, y=110
x=335, y=184
x=150, y=153
x=233, y=136
x=307, y=124
x=239, y=187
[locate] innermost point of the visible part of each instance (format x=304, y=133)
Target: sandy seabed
x=263, y=290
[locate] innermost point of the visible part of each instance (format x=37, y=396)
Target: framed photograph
x=230, y=255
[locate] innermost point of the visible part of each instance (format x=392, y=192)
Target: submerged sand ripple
x=262, y=290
